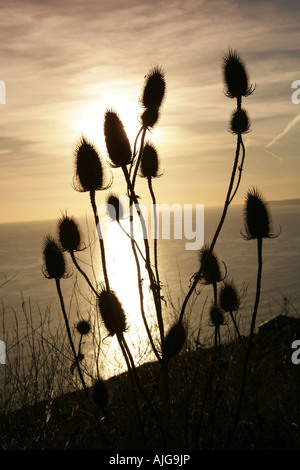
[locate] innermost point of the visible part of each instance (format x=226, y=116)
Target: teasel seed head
x=216, y=316
x=83, y=327
x=69, y=234
x=229, y=298
x=114, y=207
x=150, y=162
x=117, y=143
x=257, y=216
x=235, y=76
x=112, y=312
x=89, y=175
x=154, y=88
x=54, y=262
x=175, y=339
x=239, y=122
x=100, y=393
x=209, y=265
x=150, y=117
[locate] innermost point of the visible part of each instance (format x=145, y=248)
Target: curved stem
x=155, y=230
x=224, y=213
x=102, y=250
x=82, y=272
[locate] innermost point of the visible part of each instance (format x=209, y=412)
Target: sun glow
x=89, y=120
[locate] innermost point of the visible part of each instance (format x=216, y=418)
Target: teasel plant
x=115, y=322
x=257, y=220
x=70, y=240
x=115, y=137
x=90, y=177
x=236, y=86
x=55, y=268
x=229, y=301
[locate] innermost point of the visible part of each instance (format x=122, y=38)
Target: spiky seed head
x=229, y=299
x=150, y=162
x=175, y=339
x=88, y=167
x=216, y=316
x=209, y=266
x=83, y=327
x=117, y=143
x=256, y=215
x=69, y=234
x=150, y=117
x=54, y=262
x=154, y=88
x=112, y=312
x=239, y=122
x=100, y=393
x=114, y=207
x=235, y=76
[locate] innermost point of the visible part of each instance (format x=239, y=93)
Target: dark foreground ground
x=203, y=406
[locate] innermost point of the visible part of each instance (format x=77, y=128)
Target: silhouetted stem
x=237, y=329
x=223, y=216
x=249, y=346
x=137, y=380
x=69, y=334
x=82, y=272
x=155, y=230
x=144, y=129
x=121, y=344
x=153, y=285
x=102, y=250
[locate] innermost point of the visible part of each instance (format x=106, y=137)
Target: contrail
x=287, y=128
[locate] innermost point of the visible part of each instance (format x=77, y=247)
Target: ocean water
x=21, y=264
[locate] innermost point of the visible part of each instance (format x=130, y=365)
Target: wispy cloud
x=287, y=128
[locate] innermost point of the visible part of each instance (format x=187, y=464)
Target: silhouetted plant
x=143, y=160
x=257, y=226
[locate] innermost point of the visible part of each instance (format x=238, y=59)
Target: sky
x=65, y=62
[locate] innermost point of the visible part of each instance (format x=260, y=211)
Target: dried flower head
x=100, y=393
x=89, y=174
x=112, y=312
x=239, y=122
x=114, y=207
x=117, y=143
x=235, y=76
x=83, y=327
x=175, y=339
x=257, y=216
x=154, y=88
x=229, y=299
x=209, y=266
x=69, y=234
x=55, y=266
x=150, y=162
x=150, y=117
x=216, y=316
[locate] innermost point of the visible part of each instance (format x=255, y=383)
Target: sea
x=27, y=296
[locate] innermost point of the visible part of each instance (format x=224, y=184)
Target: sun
x=89, y=120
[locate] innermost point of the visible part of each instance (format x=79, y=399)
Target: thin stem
x=96, y=217
x=155, y=230
x=237, y=329
x=224, y=213
x=249, y=346
x=153, y=285
x=121, y=344
x=82, y=272
x=69, y=334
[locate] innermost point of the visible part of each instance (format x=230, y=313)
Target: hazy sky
x=65, y=62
